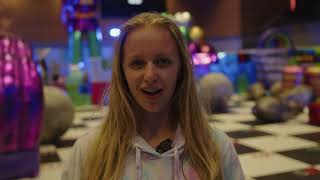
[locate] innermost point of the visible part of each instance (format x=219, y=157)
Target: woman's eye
x=163, y=62
x=136, y=64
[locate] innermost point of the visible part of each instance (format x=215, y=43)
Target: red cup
x=314, y=114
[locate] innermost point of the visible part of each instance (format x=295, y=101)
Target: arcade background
x=242, y=34
x=228, y=25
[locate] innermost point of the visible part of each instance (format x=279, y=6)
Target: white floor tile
x=226, y=127
x=44, y=149
x=249, y=178
x=248, y=104
x=48, y=171
x=261, y=164
x=64, y=153
x=288, y=128
x=242, y=110
x=276, y=143
x=74, y=133
x=92, y=124
x=234, y=118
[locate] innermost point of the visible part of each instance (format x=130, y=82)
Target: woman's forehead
x=150, y=39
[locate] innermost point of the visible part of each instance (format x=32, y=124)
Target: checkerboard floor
x=276, y=151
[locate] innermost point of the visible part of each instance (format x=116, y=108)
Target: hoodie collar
x=179, y=141
x=140, y=145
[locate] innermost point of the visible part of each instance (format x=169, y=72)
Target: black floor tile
x=305, y=174
x=307, y=155
x=49, y=157
x=65, y=143
x=310, y=136
x=246, y=134
x=242, y=149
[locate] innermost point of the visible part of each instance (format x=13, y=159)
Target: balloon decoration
x=204, y=55
x=21, y=109
x=196, y=33
x=80, y=18
x=274, y=38
x=183, y=20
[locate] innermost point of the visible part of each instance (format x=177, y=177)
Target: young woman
x=155, y=127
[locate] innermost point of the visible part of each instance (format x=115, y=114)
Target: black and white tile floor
x=277, y=151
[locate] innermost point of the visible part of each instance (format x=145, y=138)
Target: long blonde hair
x=106, y=159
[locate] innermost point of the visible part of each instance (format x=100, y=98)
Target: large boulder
x=296, y=99
x=289, y=104
x=256, y=91
x=58, y=114
x=215, y=90
x=276, y=89
x=269, y=109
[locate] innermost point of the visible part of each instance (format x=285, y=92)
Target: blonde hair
x=106, y=159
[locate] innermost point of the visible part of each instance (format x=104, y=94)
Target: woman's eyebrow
x=161, y=55
x=134, y=56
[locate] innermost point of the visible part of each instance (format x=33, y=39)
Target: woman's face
x=151, y=64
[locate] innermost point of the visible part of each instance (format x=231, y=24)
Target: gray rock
x=269, y=109
x=276, y=89
x=256, y=91
x=215, y=90
x=296, y=99
x=58, y=114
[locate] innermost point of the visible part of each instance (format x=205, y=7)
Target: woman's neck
x=156, y=127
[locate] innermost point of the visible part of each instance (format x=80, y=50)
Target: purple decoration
x=21, y=106
x=204, y=58
x=19, y=164
x=79, y=16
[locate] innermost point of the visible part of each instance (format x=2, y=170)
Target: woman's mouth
x=151, y=93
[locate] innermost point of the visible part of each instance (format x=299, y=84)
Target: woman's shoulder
x=219, y=136
x=231, y=166
x=74, y=168
x=223, y=142
x=84, y=141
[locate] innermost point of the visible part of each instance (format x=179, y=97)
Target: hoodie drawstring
x=176, y=164
x=138, y=164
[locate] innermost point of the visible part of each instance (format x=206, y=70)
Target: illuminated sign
x=135, y=2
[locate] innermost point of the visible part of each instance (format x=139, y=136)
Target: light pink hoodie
x=144, y=163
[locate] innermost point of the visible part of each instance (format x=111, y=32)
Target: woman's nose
x=150, y=75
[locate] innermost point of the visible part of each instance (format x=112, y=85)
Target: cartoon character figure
x=80, y=18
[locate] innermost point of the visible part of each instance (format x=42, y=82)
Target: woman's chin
x=152, y=108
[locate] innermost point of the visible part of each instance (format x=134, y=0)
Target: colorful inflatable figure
x=228, y=65
x=80, y=18
x=21, y=109
x=246, y=72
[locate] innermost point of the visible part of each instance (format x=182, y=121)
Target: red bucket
x=97, y=91
x=313, y=79
x=314, y=113
x=292, y=76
